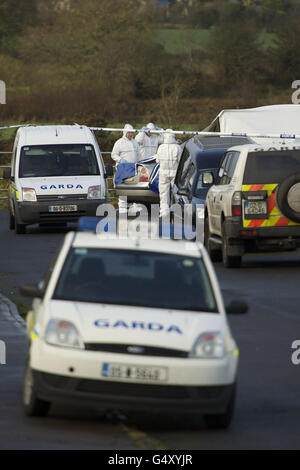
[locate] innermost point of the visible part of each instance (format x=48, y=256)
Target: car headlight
x=63, y=333
x=209, y=345
x=94, y=192
x=28, y=194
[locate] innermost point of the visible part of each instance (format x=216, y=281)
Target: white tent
x=274, y=119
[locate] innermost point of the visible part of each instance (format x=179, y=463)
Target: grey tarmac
x=268, y=406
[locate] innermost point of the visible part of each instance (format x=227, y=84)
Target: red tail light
x=143, y=175
x=236, y=210
x=236, y=203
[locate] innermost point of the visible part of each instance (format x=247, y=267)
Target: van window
x=183, y=167
x=58, y=160
x=271, y=167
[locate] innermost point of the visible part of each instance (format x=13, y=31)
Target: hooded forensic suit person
x=148, y=143
x=168, y=156
x=126, y=150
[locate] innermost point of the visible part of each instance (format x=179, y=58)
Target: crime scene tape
x=163, y=131
x=201, y=133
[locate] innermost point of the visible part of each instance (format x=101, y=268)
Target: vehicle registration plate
x=255, y=207
x=62, y=208
x=123, y=371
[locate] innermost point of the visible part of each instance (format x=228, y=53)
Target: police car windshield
x=271, y=167
x=128, y=277
x=58, y=160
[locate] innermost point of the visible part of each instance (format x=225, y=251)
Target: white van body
x=73, y=185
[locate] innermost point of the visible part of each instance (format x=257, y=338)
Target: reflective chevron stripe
x=275, y=219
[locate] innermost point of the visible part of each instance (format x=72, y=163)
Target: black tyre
x=11, y=221
x=222, y=421
x=32, y=405
x=20, y=229
x=288, y=197
x=215, y=255
x=229, y=261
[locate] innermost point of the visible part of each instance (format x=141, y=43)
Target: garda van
x=57, y=175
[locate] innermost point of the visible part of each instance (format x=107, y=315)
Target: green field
x=176, y=41
x=180, y=41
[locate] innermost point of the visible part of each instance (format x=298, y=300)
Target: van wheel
x=32, y=405
x=19, y=228
x=215, y=255
x=228, y=260
x=11, y=221
x=221, y=421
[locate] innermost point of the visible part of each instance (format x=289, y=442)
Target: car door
x=181, y=175
x=213, y=196
x=224, y=190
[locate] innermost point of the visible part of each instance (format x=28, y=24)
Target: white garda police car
x=131, y=324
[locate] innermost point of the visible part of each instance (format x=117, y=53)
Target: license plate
x=255, y=207
x=122, y=371
x=62, y=208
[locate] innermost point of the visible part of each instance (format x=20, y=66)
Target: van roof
x=38, y=135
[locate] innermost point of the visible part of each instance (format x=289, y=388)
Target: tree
x=15, y=16
x=284, y=60
x=234, y=53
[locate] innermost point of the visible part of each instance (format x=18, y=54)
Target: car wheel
x=229, y=261
x=287, y=197
x=11, y=221
x=221, y=421
x=32, y=405
x=215, y=255
x=20, y=229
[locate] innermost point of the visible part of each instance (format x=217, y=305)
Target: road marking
x=142, y=440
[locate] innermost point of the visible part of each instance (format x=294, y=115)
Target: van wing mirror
x=237, y=307
x=208, y=178
x=31, y=290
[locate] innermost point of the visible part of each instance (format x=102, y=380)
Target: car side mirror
x=237, y=307
x=208, y=178
x=6, y=172
x=109, y=171
x=183, y=192
x=31, y=290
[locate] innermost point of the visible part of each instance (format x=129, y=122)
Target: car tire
x=222, y=421
x=289, y=186
x=20, y=229
x=11, y=221
x=32, y=405
x=229, y=261
x=215, y=255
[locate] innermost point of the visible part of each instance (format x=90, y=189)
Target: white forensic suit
x=148, y=144
x=125, y=151
x=168, y=156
